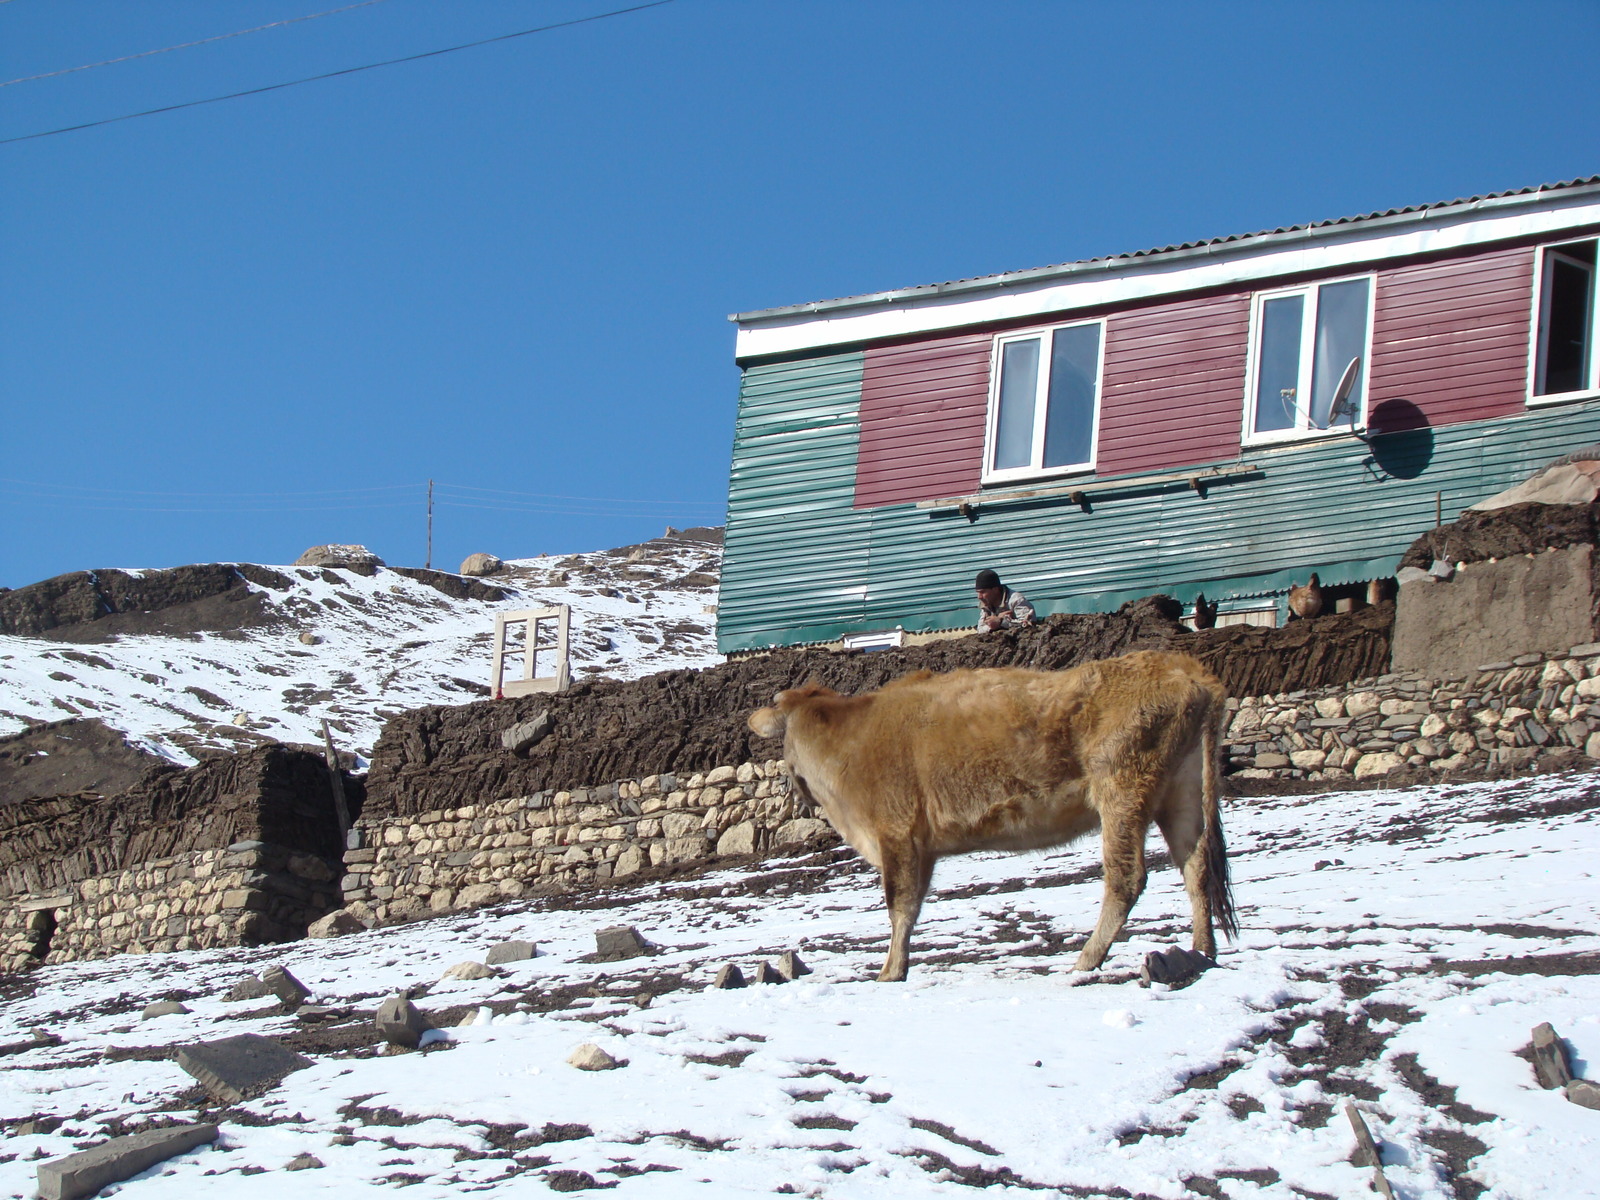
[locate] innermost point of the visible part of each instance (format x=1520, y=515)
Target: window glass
x=1568, y=315
x=1278, y=363
x=1341, y=336
x=1069, y=421
x=1019, y=388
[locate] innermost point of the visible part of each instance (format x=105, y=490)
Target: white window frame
x=1046, y=337
x=1303, y=430
x=1537, y=334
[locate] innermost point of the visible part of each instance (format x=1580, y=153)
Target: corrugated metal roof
x=1003, y=277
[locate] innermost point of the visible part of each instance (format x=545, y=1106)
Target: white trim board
x=1094, y=285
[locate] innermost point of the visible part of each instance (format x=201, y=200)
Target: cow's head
x=771, y=722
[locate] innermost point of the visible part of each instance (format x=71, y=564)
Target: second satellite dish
x=1343, y=407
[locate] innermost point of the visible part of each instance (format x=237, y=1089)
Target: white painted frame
x=1303, y=429
x=530, y=682
x=1537, y=333
x=1045, y=335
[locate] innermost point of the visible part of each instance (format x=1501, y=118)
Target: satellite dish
x=1343, y=407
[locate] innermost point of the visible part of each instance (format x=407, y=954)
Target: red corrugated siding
x=922, y=416
x=1173, y=388
x=1452, y=337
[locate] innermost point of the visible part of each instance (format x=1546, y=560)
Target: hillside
x=1398, y=948
x=242, y=654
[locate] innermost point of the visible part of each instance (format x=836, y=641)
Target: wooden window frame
x=1041, y=401
x=1303, y=430
x=1537, y=333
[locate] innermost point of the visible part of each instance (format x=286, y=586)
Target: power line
x=109, y=492
x=274, y=87
x=461, y=487
x=221, y=37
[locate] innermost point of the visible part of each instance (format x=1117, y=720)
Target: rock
x=401, y=1023
x=1309, y=760
x=163, y=1008
x=1329, y=707
x=1432, y=726
x=310, y=639
x=617, y=942
x=336, y=555
x=237, y=1068
x=629, y=862
x=589, y=1057
x=335, y=924
x=1359, y=704
x=799, y=831
x=303, y=1162
x=738, y=839
x=85, y=1173
x=509, y=952
x=469, y=970
x=248, y=988
x=289, y=990
x=480, y=564
x=790, y=966
x=765, y=972
x=1270, y=762
x=1591, y=745
x=1550, y=1063
x=1589, y=688
x=718, y=776
x=729, y=977
x=1380, y=763
x=522, y=737
x=1581, y=1091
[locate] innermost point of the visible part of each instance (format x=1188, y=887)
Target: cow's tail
x=1218, y=888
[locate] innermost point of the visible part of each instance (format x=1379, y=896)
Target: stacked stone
x=1503, y=714
x=481, y=854
x=248, y=893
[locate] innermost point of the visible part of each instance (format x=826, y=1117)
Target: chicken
x=1306, y=602
x=1205, y=615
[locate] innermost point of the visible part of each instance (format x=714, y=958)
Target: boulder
x=469, y=970
x=799, y=831
x=738, y=839
x=163, y=1008
x=589, y=1057
x=401, y=1023
x=237, y=1068
x=481, y=564
x=1550, y=1064
x=508, y=952
x=525, y=735
x=335, y=924
x=1582, y=1091
x=617, y=942
x=87, y=1172
x=765, y=972
x=1380, y=763
x=303, y=1162
x=248, y=988
x=289, y=990
x=337, y=555
x=790, y=966
x=729, y=977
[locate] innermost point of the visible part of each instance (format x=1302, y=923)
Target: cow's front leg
x=906, y=872
x=1122, y=833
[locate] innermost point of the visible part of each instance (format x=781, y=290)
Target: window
x=1045, y=402
x=1564, y=358
x=1304, y=340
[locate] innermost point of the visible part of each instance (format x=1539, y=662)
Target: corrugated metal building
x=1160, y=421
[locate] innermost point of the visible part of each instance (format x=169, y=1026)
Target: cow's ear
x=767, y=722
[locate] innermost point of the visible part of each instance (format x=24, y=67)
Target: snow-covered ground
x=385, y=643
x=1398, y=949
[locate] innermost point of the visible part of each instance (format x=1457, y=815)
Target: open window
x=1044, y=402
x=1564, y=358
x=1302, y=342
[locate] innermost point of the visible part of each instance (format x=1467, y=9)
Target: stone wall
x=553, y=841
x=247, y=893
x=1500, y=714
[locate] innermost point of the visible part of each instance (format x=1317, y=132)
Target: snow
x=387, y=643
x=994, y=1064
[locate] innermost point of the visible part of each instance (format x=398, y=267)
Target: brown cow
x=1007, y=759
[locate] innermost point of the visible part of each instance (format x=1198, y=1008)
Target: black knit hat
x=987, y=579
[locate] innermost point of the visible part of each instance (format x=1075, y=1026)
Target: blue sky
x=235, y=331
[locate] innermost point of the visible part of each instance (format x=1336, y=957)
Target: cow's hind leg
x=1182, y=825
x=906, y=873
x=1122, y=829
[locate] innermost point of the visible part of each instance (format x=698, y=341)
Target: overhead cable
x=221, y=37
x=274, y=87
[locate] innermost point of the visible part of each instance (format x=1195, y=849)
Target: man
x=1000, y=607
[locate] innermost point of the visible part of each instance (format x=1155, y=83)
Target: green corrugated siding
x=804, y=566
x=795, y=562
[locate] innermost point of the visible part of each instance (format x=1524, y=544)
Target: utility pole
x=429, y=561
